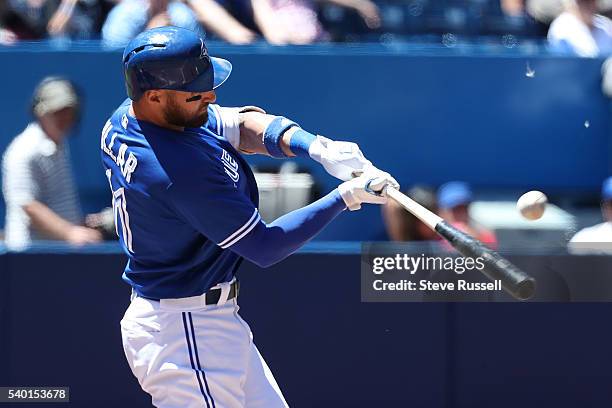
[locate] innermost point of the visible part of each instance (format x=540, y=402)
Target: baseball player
x=185, y=204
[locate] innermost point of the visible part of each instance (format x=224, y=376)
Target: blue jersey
x=180, y=199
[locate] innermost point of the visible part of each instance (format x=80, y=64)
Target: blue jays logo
x=230, y=166
x=203, y=50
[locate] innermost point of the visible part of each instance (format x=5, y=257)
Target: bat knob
x=526, y=289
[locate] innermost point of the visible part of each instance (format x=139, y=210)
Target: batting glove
x=340, y=159
x=370, y=187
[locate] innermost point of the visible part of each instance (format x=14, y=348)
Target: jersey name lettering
x=128, y=165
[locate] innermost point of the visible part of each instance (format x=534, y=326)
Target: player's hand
x=370, y=187
x=340, y=159
x=79, y=236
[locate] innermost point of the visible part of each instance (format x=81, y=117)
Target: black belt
x=213, y=295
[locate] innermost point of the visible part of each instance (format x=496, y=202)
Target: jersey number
x=122, y=219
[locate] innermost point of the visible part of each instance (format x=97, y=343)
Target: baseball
x=532, y=204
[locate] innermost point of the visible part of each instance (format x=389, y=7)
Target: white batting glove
x=370, y=187
x=340, y=159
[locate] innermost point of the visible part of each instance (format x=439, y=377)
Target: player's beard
x=177, y=117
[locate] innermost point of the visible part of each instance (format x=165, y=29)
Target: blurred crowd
x=117, y=21
x=578, y=26
x=451, y=201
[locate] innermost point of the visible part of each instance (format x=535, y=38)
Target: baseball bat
x=514, y=281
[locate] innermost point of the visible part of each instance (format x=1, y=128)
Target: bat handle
x=427, y=217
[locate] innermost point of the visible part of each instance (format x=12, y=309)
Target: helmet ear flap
x=131, y=84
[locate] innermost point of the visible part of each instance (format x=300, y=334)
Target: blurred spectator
x=296, y=21
x=513, y=7
x=581, y=31
x=130, y=17
x=454, y=199
x=403, y=226
x=598, y=238
x=235, y=21
x=220, y=22
x=38, y=186
x=545, y=11
x=7, y=36
x=529, y=17
x=38, y=19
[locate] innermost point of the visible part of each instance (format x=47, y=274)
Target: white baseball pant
x=186, y=355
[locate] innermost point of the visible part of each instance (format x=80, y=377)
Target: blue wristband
x=300, y=142
x=274, y=134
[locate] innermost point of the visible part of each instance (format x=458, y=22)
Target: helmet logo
x=203, y=50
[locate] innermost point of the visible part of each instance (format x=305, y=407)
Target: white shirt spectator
x=35, y=168
x=567, y=32
x=592, y=240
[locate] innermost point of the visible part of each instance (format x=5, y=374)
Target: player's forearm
x=269, y=244
x=274, y=136
x=252, y=128
x=46, y=221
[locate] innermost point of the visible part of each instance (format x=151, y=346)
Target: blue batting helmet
x=171, y=58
